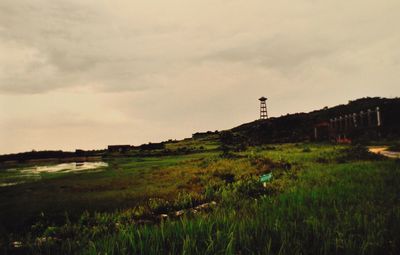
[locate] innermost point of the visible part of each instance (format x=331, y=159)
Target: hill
x=299, y=126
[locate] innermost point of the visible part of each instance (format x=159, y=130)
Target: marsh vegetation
x=323, y=199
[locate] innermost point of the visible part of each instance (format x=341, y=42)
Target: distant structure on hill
x=358, y=121
x=263, y=108
x=343, y=128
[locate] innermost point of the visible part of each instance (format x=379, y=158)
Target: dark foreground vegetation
x=323, y=199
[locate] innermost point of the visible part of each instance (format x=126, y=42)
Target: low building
x=322, y=131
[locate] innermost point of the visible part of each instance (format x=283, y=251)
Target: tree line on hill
x=48, y=154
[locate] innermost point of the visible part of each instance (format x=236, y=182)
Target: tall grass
x=351, y=208
x=311, y=208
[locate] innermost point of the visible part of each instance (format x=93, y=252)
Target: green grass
x=209, y=143
x=319, y=202
x=125, y=183
x=344, y=209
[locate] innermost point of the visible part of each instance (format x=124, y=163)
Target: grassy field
x=323, y=199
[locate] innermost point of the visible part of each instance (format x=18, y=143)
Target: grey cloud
x=163, y=69
x=89, y=43
x=281, y=53
x=79, y=43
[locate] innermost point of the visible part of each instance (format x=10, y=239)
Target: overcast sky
x=88, y=73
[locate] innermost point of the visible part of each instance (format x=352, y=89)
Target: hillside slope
x=299, y=126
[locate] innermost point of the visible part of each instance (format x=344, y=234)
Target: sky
x=83, y=74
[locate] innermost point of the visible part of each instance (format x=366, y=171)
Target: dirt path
x=383, y=151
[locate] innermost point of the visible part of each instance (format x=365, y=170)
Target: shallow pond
x=14, y=176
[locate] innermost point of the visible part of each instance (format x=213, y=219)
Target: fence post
x=369, y=117
x=378, y=116
x=355, y=120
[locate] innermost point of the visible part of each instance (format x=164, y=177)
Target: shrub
x=232, y=142
x=250, y=187
x=225, y=176
x=263, y=164
x=357, y=152
x=159, y=205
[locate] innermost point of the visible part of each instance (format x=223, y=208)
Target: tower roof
x=262, y=98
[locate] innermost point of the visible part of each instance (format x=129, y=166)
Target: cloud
x=142, y=71
x=279, y=53
x=51, y=45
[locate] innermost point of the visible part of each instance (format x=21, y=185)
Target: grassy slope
x=327, y=207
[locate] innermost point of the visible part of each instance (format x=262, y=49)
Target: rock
x=41, y=240
x=179, y=213
x=194, y=211
x=16, y=244
x=205, y=206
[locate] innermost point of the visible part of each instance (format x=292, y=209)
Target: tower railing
x=340, y=127
x=263, y=108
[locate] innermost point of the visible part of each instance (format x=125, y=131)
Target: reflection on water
x=9, y=184
x=65, y=167
x=33, y=173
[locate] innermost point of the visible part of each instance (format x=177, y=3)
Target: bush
x=250, y=187
x=263, y=164
x=357, y=152
x=227, y=177
x=159, y=205
x=232, y=142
